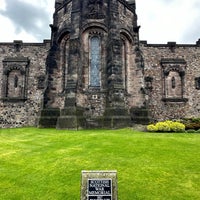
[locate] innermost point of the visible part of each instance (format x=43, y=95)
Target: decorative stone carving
x=95, y=9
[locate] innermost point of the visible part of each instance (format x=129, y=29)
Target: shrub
x=163, y=126
x=152, y=128
x=177, y=127
x=166, y=126
x=191, y=123
x=198, y=131
x=191, y=131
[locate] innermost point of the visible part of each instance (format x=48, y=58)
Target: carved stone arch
x=63, y=34
x=177, y=68
x=10, y=68
x=126, y=34
x=93, y=25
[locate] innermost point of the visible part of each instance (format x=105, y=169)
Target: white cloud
x=2, y=5
x=161, y=20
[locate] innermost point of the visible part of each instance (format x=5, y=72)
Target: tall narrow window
x=95, y=58
x=124, y=63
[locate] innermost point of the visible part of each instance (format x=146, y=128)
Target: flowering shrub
x=152, y=128
x=177, y=127
x=166, y=126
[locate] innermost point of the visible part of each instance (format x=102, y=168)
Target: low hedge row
x=191, y=123
x=166, y=126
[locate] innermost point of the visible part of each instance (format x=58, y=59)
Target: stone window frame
x=89, y=32
x=63, y=59
x=174, y=65
x=21, y=66
x=126, y=56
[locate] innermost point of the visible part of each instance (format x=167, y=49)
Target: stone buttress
x=94, y=66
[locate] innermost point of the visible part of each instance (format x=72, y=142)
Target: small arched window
x=95, y=59
x=173, y=82
x=16, y=81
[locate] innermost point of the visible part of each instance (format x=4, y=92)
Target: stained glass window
x=95, y=59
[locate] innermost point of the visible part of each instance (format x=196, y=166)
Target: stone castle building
x=95, y=72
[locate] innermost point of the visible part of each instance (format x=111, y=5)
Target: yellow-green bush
x=152, y=128
x=166, y=126
x=177, y=127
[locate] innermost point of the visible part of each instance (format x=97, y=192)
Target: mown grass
x=47, y=163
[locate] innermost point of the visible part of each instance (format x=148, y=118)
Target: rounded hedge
x=166, y=126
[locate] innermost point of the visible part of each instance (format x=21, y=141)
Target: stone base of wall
x=71, y=118
x=48, y=118
x=117, y=118
x=140, y=115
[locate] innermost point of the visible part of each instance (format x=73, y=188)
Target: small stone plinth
x=101, y=185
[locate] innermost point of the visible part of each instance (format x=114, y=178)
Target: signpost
x=99, y=185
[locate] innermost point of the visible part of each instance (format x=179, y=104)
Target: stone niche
x=15, y=73
x=173, y=80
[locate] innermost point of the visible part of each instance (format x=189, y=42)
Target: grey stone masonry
x=90, y=63
x=22, y=81
x=173, y=73
x=95, y=73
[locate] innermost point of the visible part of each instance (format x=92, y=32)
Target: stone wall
x=22, y=67
x=71, y=79
x=172, y=73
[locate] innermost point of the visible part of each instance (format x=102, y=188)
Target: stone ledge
x=175, y=100
x=13, y=99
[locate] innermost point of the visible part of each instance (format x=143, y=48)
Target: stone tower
x=94, y=68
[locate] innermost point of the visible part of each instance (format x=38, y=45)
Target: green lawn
x=46, y=163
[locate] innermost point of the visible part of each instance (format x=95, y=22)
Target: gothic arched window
x=95, y=59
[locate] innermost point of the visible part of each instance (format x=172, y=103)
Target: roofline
x=169, y=44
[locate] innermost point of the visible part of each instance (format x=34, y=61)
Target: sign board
x=99, y=185
x=99, y=189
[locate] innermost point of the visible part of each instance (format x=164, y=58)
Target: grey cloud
x=192, y=33
x=24, y=16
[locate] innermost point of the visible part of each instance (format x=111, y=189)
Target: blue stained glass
x=95, y=62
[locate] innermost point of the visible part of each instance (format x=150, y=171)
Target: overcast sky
x=160, y=20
